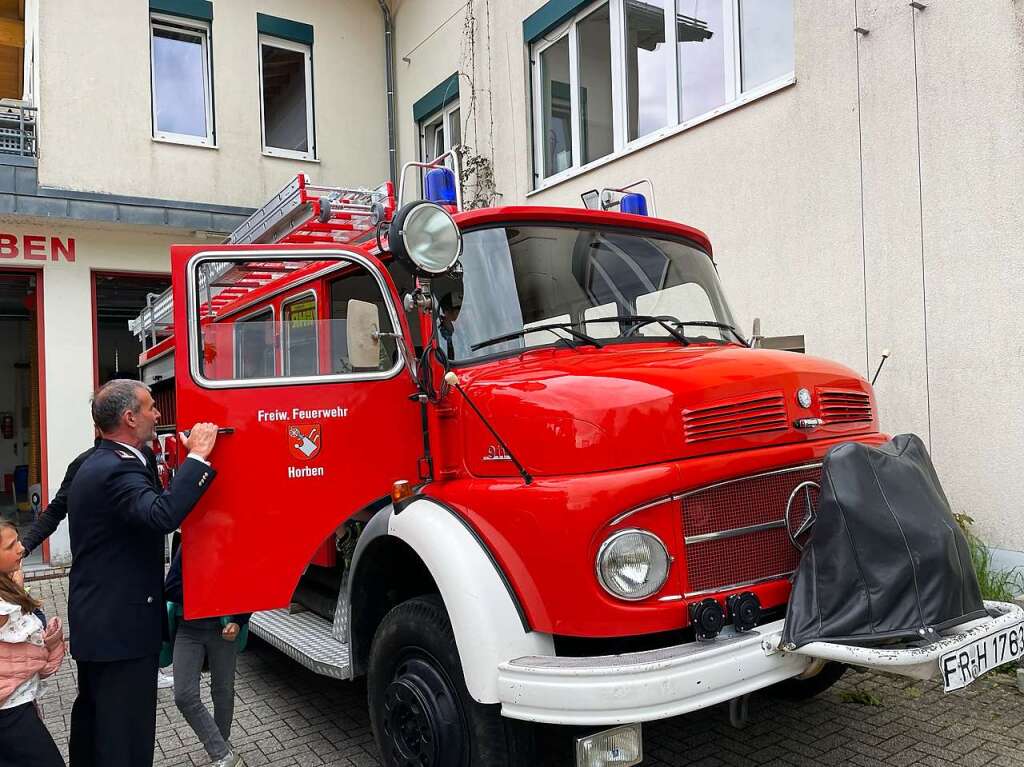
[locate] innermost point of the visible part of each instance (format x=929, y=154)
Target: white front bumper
x=641, y=686
x=917, y=662
x=656, y=684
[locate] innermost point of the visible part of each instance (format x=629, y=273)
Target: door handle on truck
x=221, y=430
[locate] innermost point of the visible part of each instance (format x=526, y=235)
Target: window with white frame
x=181, y=83
x=622, y=72
x=286, y=98
x=440, y=131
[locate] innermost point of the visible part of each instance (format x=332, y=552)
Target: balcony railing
x=18, y=130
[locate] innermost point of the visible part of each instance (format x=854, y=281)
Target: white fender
x=488, y=630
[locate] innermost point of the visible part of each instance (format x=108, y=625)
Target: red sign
x=304, y=440
x=36, y=247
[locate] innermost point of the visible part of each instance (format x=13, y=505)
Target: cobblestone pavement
x=286, y=715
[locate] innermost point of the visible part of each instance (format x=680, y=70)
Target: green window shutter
x=549, y=16
x=189, y=9
x=295, y=31
x=441, y=95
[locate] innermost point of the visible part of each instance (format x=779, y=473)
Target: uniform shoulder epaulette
x=125, y=455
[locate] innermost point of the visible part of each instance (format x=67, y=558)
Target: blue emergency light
x=633, y=203
x=439, y=186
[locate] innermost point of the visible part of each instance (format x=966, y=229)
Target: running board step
x=306, y=638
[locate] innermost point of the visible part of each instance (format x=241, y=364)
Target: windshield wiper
x=639, y=320
x=670, y=323
x=710, y=324
x=551, y=327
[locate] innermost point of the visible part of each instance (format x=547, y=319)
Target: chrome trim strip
x=734, y=532
x=679, y=496
x=744, y=584
x=644, y=507
x=788, y=470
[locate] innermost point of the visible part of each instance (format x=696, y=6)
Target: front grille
x=735, y=531
x=764, y=413
x=844, y=406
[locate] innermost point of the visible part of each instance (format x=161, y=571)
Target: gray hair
x=111, y=400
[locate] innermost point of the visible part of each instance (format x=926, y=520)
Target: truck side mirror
x=362, y=331
x=755, y=336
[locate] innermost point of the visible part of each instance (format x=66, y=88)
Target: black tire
x=420, y=710
x=804, y=689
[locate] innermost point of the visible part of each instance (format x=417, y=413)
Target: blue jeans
x=195, y=641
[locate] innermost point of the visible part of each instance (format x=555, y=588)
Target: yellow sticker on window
x=302, y=314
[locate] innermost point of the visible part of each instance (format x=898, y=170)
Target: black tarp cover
x=885, y=558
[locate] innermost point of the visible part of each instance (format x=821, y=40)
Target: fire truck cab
x=516, y=465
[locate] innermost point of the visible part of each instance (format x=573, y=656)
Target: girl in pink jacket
x=29, y=652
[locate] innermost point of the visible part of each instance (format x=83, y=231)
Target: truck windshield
x=521, y=277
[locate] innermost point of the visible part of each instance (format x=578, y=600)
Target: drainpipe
x=389, y=67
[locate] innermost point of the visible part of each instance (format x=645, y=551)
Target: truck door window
x=254, y=339
x=245, y=306
x=300, y=335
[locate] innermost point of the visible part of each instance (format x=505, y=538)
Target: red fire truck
x=516, y=465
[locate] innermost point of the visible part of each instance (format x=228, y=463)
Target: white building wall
x=874, y=203
x=67, y=341
x=428, y=48
x=95, y=102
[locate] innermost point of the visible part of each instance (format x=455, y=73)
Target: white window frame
x=552, y=38
x=444, y=114
x=734, y=94
x=202, y=30
x=307, y=51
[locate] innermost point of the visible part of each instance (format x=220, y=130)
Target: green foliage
x=861, y=697
x=997, y=585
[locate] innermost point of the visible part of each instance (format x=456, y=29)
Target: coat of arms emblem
x=304, y=440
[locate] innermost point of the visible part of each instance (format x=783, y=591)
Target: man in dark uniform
x=119, y=516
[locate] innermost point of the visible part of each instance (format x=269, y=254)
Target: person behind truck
x=30, y=650
x=118, y=516
x=45, y=525
x=218, y=642
x=451, y=305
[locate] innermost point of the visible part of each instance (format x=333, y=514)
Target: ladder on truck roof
x=301, y=213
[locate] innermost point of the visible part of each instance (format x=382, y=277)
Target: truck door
x=315, y=436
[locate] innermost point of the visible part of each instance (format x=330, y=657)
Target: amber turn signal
x=401, y=490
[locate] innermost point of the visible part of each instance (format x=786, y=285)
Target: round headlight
x=425, y=237
x=632, y=564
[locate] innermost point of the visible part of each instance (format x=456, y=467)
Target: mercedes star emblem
x=803, y=397
x=807, y=491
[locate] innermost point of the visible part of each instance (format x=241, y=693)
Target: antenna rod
x=453, y=380
x=885, y=356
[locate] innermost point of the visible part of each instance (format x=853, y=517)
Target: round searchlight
x=425, y=237
x=632, y=564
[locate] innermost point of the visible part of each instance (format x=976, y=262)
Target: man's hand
x=200, y=440
x=230, y=632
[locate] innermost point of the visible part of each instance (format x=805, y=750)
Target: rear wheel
x=420, y=710
x=797, y=689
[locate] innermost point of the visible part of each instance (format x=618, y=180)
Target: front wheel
x=420, y=710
